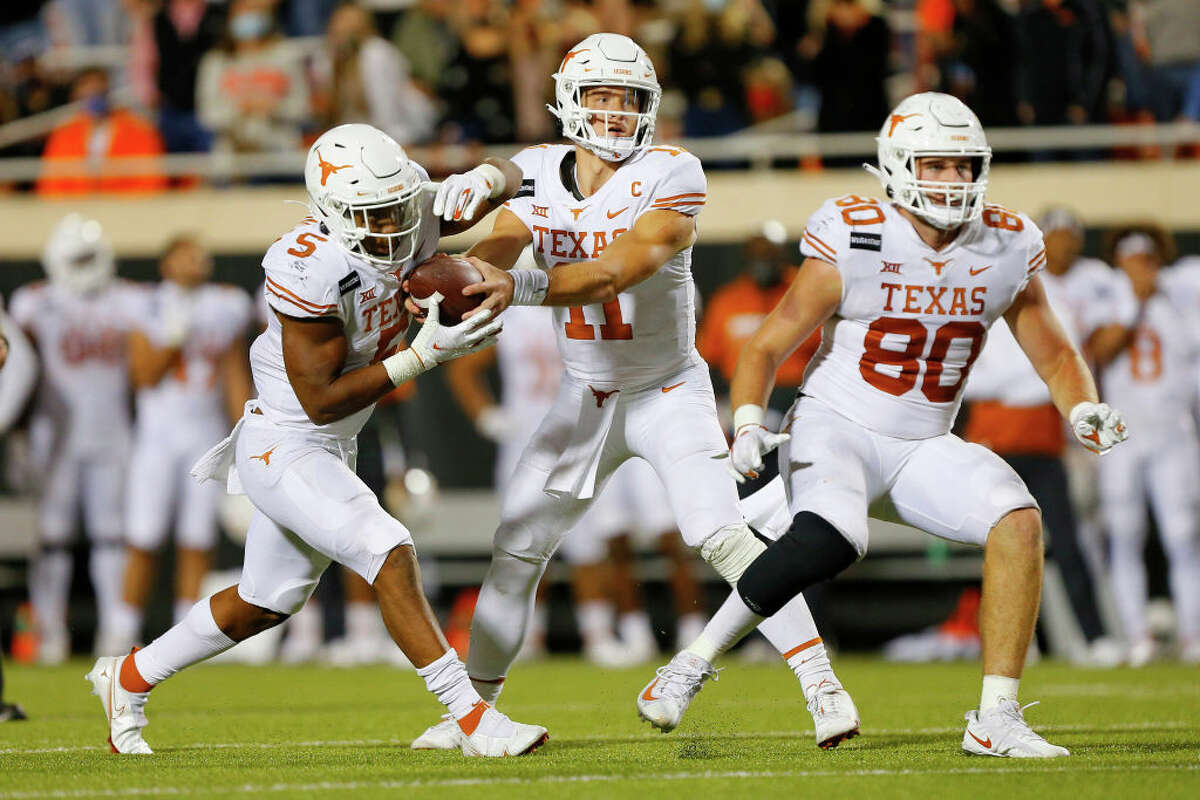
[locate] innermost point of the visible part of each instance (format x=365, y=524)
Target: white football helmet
x=933, y=124
x=606, y=59
x=78, y=256
x=365, y=190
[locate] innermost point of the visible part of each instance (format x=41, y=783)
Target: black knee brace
x=811, y=551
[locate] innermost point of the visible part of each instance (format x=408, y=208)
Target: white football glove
x=436, y=343
x=460, y=195
x=751, y=442
x=1098, y=426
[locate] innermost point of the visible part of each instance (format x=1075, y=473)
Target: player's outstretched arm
x=238, y=386
x=464, y=199
x=1039, y=333
x=813, y=297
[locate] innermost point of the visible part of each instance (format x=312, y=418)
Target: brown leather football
x=448, y=275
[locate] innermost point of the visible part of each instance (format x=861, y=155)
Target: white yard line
x=632, y=736
x=346, y=786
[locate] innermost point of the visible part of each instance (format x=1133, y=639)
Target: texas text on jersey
x=649, y=331
x=912, y=320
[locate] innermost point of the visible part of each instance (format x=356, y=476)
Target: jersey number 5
x=614, y=327
x=909, y=359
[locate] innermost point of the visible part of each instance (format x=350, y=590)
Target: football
x=447, y=275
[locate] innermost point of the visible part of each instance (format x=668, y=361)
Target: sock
x=363, y=621
x=634, y=629
x=194, y=639
x=500, y=621
x=132, y=680
x=539, y=622
x=732, y=621
x=181, y=609
x=488, y=689
x=106, y=566
x=447, y=679
x=595, y=619
x=49, y=585
x=997, y=688
x=810, y=663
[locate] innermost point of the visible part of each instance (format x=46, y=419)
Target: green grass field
x=311, y=732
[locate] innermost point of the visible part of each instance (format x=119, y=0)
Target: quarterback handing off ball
x=447, y=276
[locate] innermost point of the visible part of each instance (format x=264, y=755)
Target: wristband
x=529, y=286
x=495, y=179
x=748, y=414
x=402, y=367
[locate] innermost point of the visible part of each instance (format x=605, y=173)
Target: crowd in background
x=267, y=75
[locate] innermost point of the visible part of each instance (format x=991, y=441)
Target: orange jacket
x=734, y=313
x=131, y=136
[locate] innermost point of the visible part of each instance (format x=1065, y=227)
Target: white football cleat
x=1002, y=731
x=1143, y=652
x=124, y=709
x=445, y=735
x=835, y=717
x=665, y=699
x=487, y=732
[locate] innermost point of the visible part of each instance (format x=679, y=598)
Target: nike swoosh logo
x=982, y=742
x=646, y=694
x=974, y=271
x=612, y=214
x=666, y=389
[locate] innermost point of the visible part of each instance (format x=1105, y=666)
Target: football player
x=612, y=217
x=906, y=289
x=329, y=352
x=187, y=359
x=1151, y=370
x=80, y=429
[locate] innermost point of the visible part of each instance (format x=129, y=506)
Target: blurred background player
x=189, y=367
x=1148, y=364
x=18, y=370
x=80, y=429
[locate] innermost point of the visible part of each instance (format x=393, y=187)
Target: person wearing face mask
x=360, y=77
x=83, y=153
x=251, y=92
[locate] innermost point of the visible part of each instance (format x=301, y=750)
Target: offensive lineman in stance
x=331, y=349
x=906, y=291
x=614, y=220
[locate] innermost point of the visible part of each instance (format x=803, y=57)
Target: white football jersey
x=83, y=389
x=912, y=320
x=1085, y=292
x=310, y=275
x=649, y=331
x=217, y=317
x=1153, y=381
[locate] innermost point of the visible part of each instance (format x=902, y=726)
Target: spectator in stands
x=252, y=93
x=977, y=66
x=85, y=153
x=88, y=23
x=708, y=59
x=424, y=36
x=307, y=17
x=476, y=85
x=1061, y=61
x=165, y=52
x=360, y=77
x=851, y=66
x=1166, y=35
